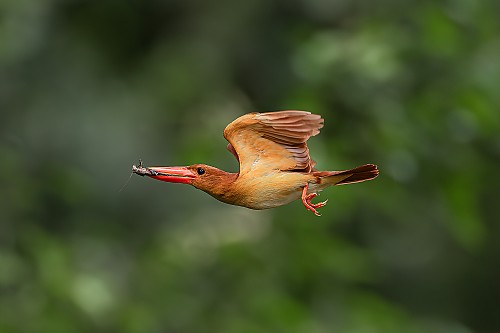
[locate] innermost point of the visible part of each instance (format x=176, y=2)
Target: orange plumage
x=275, y=166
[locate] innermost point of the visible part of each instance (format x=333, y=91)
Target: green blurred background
x=89, y=87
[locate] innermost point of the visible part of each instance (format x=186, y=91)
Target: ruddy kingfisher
x=275, y=167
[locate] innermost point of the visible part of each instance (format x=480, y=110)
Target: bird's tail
x=356, y=175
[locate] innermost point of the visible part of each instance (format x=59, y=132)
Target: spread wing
x=273, y=140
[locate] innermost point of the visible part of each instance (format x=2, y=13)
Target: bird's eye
x=200, y=171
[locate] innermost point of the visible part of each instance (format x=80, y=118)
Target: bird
x=274, y=164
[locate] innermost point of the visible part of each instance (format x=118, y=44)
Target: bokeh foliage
x=88, y=87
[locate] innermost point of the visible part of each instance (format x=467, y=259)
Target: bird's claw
x=306, y=200
x=319, y=204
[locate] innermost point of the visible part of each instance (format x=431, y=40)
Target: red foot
x=306, y=200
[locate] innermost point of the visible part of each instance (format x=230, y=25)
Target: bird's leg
x=306, y=200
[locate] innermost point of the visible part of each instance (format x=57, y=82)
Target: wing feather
x=273, y=140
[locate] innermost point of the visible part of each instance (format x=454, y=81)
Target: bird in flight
x=275, y=167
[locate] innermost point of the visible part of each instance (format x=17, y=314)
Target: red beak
x=172, y=174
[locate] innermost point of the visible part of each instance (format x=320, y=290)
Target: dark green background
x=88, y=87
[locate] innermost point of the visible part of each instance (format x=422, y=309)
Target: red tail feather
x=356, y=175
